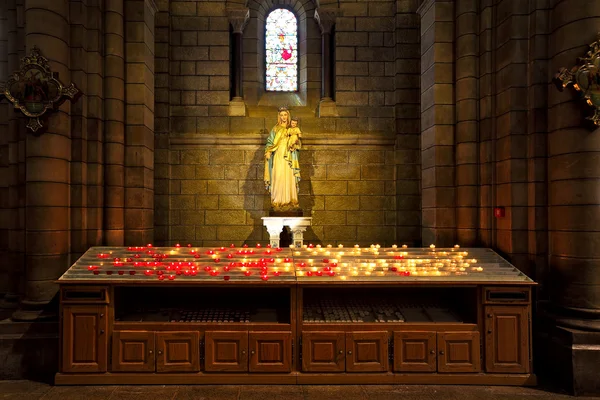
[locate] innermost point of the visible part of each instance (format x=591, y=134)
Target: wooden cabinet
x=133, y=351
x=143, y=351
x=415, y=351
x=338, y=351
x=367, y=352
x=226, y=351
x=458, y=352
x=242, y=351
x=428, y=351
x=177, y=352
x=323, y=351
x=84, y=338
x=506, y=339
x=270, y=351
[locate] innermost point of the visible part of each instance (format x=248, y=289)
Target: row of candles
x=452, y=262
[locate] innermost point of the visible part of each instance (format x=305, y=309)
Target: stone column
x=15, y=228
x=162, y=111
x=274, y=226
x=325, y=17
x=466, y=135
x=139, y=122
x=79, y=43
x=238, y=18
x=437, y=123
x=4, y=206
x=48, y=159
x=94, y=208
x=298, y=236
x=574, y=204
x=114, y=124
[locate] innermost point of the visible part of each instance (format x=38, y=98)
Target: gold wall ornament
x=34, y=89
x=585, y=79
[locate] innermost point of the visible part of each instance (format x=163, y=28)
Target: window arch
x=281, y=51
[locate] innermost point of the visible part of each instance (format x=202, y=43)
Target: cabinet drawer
x=323, y=351
x=270, y=351
x=415, y=351
x=506, y=295
x=367, y=352
x=84, y=295
x=226, y=351
x=458, y=352
x=177, y=352
x=507, y=339
x=133, y=351
x=84, y=338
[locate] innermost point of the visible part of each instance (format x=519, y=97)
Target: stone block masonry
x=217, y=195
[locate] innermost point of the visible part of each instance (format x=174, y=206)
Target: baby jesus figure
x=294, y=135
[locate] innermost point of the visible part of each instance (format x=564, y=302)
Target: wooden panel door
x=458, y=352
x=506, y=339
x=323, y=351
x=270, y=351
x=226, y=351
x=367, y=352
x=177, y=352
x=415, y=352
x=133, y=351
x=84, y=338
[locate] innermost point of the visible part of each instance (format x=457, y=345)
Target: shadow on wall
x=306, y=197
x=257, y=201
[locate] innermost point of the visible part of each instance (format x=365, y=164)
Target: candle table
x=300, y=315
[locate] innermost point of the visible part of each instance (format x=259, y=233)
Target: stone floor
x=28, y=390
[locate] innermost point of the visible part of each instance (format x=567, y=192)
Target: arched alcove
x=309, y=55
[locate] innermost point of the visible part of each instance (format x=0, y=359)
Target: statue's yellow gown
x=282, y=171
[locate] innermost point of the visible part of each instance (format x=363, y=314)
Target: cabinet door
x=367, y=352
x=177, y=352
x=84, y=338
x=270, y=351
x=323, y=351
x=458, y=352
x=506, y=339
x=226, y=351
x=133, y=351
x=415, y=352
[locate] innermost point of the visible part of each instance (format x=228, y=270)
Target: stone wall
x=360, y=181
x=484, y=97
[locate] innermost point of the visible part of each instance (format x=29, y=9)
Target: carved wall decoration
x=35, y=90
x=585, y=79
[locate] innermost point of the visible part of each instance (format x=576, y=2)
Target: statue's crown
x=283, y=108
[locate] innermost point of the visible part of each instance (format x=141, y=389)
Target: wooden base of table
x=295, y=378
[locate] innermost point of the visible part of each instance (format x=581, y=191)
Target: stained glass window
x=282, y=51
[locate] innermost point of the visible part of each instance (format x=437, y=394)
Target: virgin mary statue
x=282, y=169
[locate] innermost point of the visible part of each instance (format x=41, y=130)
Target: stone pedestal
x=567, y=358
x=297, y=226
